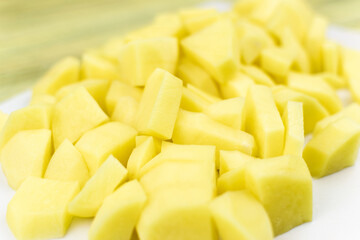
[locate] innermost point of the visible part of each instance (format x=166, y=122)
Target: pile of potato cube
x=189, y=128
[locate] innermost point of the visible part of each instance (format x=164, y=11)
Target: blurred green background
x=34, y=34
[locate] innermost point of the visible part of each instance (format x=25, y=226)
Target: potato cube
x=263, y=121
x=93, y=66
x=331, y=57
x=38, y=209
x=258, y=75
x=284, y=187
x=26, y=154
x=334, y=148
x=215, y=48
x=126, y=110
x=3, y=119
x=74, y=115
x=143, y=138
x=230, y=160
x=334, y=80
x=67, y=164
x=238, y=86
x=191, y=101
x=159, y=104
x=64, y=72
x=196, y=19
x=88, y=201
x=113, y=138
x=139, y=58
x=351, y=73
x=277, y=61
x=294, y=128
x=239, y=215
x=314, y=42
x=117, y=217
x=229, y=112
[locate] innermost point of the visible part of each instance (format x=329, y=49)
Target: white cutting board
x=336, y=197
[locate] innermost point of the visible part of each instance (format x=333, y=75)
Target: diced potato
x=239, y=215
x=27, y=118
x=117, y=90
x=277, y=61
x=208, y=97
x=117, y=217
x=230, y=160
x=331, y=57
x=142, y=138
x=334, y=148
x=246, y=7
x=142, y=154
x=159, y=104
x=26, y=154
x=177, y=214
x=64, y=72
x=3, y=119
x=335, y=81
x=237, y=86
x=46, y=99
x=195, y=75
x=258, y=75
x=88, y=201
x=313, y=110
x=317, y=88
x=191, y=101
x=110, y=50
x=95, y=67
x=351, y=72
x=113, y=138
x=293, y=119
x=126, y=110
x=352, y=111
x=97, y=88
x=263, y=121
x=197, y=128
x=138, y=59
x=196, y=19
x=284, y=187
x=74, y=115
x=215, y=48
x=314, y=42
x=67, y=164
x=229, y=112
x=38, y=209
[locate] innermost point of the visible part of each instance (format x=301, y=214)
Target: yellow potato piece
x=293, y=119
x=97, y=88
x=196, y=19
x=117, y=217
x=334, y=148
x=142, y=138
x=230, y=160
x=277, y=61
x=313, y=110
x=88, y=201
x=138, y=59
x=351, y=73
x=197, y=128
x=314, y=42
x=27, y=118
x=67, y=164
x=126, y=110
x=263, y=121
x=258, y=75
x=117, y=90
x=331, y=57
x=239, y=215
x=237, y=87
x=46, y=99
x=317, y=88
x=93, y=66
x=208, y=97
x=38, y=209
x=3, y=119
x=195, y=75
x=113, y=138
x=191, y=101
x=335, y=81
x=284, y=187
x=229, y=112
x=177, y=214
x=159, y=104
x=352, y=111
x=64, y=72
x=74, y=115
x=215, y=48
x=142, y=154
x=26, y=154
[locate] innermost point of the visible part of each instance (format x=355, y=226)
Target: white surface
x=336, y=197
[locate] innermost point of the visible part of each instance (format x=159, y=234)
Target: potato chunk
x=26, y=154
x=334, y=148
x=88, y=201
x=119, y=213
x=239, y=215
x=159, y=104
x=38, y=209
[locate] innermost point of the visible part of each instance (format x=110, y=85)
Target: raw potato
x=95, y=67
x=126, y=110
x=38, y=209
x=196, y=19
x=334, y=148
x=239, y=215
x=237, y=86
x=119, y=213
x=230, y=160
x=88, y=201
x=3, y=119
x=32, y=160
